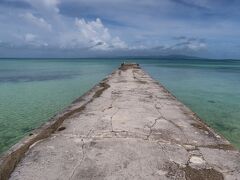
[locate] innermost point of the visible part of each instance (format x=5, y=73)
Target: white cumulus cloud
x=96, y=33
x=91, y=35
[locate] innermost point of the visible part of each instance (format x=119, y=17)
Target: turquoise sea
x=33, y=90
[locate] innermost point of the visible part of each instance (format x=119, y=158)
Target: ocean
x=33, y=90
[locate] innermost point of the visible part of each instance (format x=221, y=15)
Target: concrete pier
x=127, y=127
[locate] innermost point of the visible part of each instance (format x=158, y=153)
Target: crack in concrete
x=173, y=123
x=170, y=121
x=111, y=134
x=162, y=147
x=112, y=119
x=80, y=162
x=83, y=155
x=151, y=127
x=111, y=105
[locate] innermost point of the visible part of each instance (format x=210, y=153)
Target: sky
x=102, y=28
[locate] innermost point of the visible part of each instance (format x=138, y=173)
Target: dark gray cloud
x=182, y=45
x=191, y=4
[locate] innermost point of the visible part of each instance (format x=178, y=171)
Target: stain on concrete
x=103, y=86
x=202, y=174
x=61, y=128
x=220, y=146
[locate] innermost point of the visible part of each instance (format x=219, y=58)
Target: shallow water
x=33, y=90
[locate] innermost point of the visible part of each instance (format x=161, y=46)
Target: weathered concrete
x=130, y=128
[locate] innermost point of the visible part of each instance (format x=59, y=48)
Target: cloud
x=45, y=5
x=5, y=44
x=92, y=35
x=51, y=2
x=123, y=26
x=77, y=33
x=29, y=37
x=15, y=3
x=190, y=43
x=38, y=21
x=181, y=45
x=196, y=4
x=32, y=41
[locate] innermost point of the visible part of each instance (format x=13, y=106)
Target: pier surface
x=130, y=127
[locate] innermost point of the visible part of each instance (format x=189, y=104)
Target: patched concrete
x=132, y=129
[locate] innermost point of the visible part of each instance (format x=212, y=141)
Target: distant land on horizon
x=162, y=57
